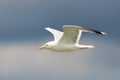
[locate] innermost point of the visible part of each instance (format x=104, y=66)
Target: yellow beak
x=41, y=47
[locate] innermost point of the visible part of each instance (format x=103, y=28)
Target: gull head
x=47, y=45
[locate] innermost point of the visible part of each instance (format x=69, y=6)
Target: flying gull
x=69, y=39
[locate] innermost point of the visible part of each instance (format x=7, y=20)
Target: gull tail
x=85, y=46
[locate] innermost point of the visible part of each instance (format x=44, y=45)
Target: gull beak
x=41, y=47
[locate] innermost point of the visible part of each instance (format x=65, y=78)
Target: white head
x=47, y=45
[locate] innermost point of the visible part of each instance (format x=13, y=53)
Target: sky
x=22, y=31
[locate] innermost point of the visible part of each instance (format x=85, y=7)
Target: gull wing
x=57, y=34
x=73, y=33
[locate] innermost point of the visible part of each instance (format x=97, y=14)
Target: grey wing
x=71, y=34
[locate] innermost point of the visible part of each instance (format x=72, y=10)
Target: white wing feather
x=57, y=34
x=78, y=38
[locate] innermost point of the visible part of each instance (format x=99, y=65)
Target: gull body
x=69, y=39
x=63, y=47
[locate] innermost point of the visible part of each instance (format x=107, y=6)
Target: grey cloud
x=23, y=59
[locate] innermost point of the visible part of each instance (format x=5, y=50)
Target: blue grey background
x=26, y=18
x=22, y=24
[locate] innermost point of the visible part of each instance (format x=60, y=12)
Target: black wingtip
x=99, y=32
x=103, y=33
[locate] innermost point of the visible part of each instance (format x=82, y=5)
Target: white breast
x=63, y=48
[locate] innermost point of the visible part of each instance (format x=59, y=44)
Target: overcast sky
x=26, y=19
x=22, y=30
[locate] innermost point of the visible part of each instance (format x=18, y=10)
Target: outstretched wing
x=57, y=34
x=73, y=33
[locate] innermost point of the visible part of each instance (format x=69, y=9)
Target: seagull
x=69, y=39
